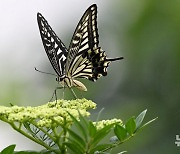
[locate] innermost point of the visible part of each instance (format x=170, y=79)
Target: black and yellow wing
x=85, y=58
x=54, y=47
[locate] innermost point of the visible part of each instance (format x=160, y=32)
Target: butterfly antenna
x=114, y=59
x=63, y=91
x=44, y=72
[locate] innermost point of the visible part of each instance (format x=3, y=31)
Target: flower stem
x=30, y=137
x=118, y=143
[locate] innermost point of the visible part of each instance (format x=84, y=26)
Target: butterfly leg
x=73, y=93
x=63, y=91
x=55, y=93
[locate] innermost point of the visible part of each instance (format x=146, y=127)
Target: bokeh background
x=145, y=32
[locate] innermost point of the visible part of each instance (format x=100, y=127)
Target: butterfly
x=83, y=59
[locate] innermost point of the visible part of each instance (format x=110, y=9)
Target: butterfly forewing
x=55, y=49
x=84, y=41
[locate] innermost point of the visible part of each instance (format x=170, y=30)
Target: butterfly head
x=60, y=79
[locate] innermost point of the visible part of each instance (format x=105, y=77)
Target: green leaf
x=147, y=123
x=92, y=129
x=140, y=118
x=73, y=146
x=74, y=142
x=85, y=124
x=100, y=134
x=100, y=147
x=77, y=138
x=28, y=128
x=9, y=149
x=83, y=120
x=79, y=126
x=120, y=132
x=131, y=126
x=37, y=152
x=31, y=152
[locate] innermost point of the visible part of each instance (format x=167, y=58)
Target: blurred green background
x=145, y=32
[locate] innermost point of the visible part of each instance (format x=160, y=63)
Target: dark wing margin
x=55, y=49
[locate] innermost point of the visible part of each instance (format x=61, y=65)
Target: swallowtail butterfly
x=83, y=59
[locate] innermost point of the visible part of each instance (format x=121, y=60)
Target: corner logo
x=177, y=142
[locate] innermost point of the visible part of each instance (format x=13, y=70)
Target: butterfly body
x=83, y=59
x=70, y=82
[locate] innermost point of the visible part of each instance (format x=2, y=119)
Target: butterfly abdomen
x=70, y=82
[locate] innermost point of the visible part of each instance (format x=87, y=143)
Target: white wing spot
x=52, y=40
x=85, y=30
x=85, y=47
x=94, y=33
x=75, y=41
x=58, y=52
x=92, y=8
x=85, y=35
x=93, y=22
x=87, y=18
x=78, y=35
x=55, y=45
x=93, y=17
x=63, y=57
x=86, y=40
x=42, y=24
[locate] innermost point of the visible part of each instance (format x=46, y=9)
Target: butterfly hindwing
x=55, y=49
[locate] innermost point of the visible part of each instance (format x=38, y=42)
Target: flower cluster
x=52, y=114
x=101, y=124
x=49, y=115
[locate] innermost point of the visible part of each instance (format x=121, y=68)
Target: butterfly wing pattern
x=54, y=47
x=84, y=58
x=83, y=43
